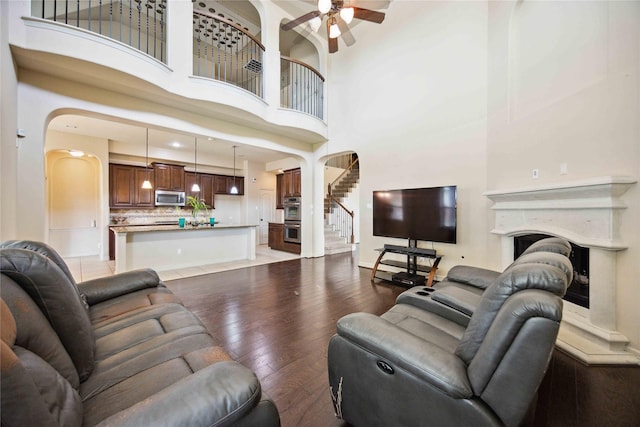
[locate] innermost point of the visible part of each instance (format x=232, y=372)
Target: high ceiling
x=163, y=140
x=242, y=12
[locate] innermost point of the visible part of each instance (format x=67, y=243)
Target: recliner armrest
x=105, y=288
x=402, y=350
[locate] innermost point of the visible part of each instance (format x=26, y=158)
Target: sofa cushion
x=125, y=380
x=57, y=298
x=31, y=330
x=105, y=311
x=146, y=329
x=27, y=377
x=425, y=325
x=58, y=396
x=219, y=395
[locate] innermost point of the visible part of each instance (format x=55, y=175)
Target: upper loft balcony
x=217, y=58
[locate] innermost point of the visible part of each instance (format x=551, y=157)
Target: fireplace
x=587, y=214
x=578, y=291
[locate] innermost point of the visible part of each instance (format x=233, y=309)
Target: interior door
x=74, y=204
x=267, y=212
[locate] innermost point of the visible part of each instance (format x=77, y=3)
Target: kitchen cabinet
x=276, y=236
x=205, y=181
x=279, y=191
x=169, y=177
x=125, y=187
x=143, y=197
x=292, y=183
x=223, y=184
x=220, y=184
x=207, y=189
x=121, y=181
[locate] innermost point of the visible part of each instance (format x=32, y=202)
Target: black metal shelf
x=411, y=266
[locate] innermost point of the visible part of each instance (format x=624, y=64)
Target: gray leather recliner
x=118, y=351
x=455, y=361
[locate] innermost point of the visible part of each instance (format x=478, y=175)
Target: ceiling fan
x=339, y=14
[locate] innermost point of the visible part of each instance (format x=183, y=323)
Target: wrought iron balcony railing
x=224, y=50
x=301, y=87
x=140, y=24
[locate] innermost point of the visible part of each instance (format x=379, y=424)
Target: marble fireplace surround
x=588, y=214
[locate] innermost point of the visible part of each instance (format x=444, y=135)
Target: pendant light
x=146, y=184
x=234, y=189
x=195, y=188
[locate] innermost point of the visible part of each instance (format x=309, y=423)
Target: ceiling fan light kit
x=324, y=6
x=334, y=31
x=315, y=24
x=347, y=14
x=339, y=17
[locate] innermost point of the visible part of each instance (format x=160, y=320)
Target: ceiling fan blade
x=368, y=15
x=333, y=43
x=371, y=4
x=301, y=20
x=345, y=32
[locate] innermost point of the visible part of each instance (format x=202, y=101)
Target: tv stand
x=413, y=269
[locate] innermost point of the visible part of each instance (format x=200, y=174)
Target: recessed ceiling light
x=176, y=144
x=76, y=153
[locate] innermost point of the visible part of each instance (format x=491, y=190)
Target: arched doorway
x=73, y=195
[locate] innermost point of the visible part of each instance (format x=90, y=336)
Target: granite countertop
x=128, y=228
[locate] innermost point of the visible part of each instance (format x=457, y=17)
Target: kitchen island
x=169, y=247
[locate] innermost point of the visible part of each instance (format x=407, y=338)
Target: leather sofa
x=472, y=350
x=117, y=351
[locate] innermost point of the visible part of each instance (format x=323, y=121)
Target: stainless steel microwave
x=170, y=198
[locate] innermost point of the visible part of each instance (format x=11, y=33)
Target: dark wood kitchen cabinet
x=279, y=191
x=276, y=236
x=205, y=181
x=143, y=197
x=292, y=183
x=125, y=187
x=121, y=180
x=169, y=177
x=223, y=184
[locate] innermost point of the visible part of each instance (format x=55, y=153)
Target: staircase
x=337, y=232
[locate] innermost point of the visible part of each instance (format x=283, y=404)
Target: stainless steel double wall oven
x=292, y=216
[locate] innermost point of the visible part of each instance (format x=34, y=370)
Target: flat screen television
x=427, y=214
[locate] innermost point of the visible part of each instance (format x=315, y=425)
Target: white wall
x=8, y=128
x=410, y=99
x=568, y=92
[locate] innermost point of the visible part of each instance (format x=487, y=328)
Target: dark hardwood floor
x=277, y=320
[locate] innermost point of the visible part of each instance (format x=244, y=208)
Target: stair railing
x=344, y=217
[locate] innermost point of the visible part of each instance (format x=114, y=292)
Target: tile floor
x=91, y=267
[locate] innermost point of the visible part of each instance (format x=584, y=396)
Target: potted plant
x=197, y=206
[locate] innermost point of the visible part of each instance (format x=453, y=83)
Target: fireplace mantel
x=587, y=213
